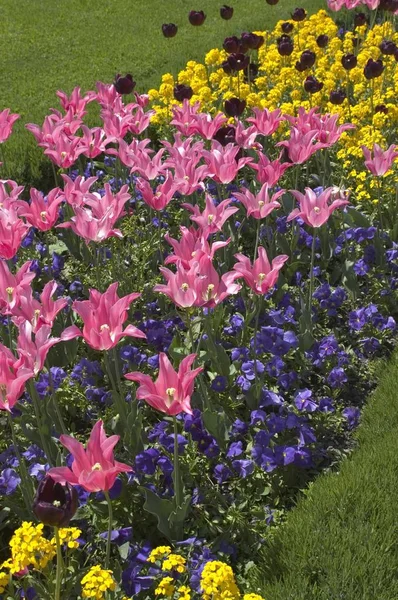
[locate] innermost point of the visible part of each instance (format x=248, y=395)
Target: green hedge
x=46, y=45
x=341, y=541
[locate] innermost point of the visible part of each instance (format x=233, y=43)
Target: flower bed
x=258, y=301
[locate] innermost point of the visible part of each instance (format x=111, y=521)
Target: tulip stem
x=36, y=407
x=110, y=524
x=59, y=566
x=311, y=290
x=257, y=239
x=26, y=488
x=177, y=476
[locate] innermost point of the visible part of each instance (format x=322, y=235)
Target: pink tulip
x=329, y=132
x=140, y=121
x=12, y=379
x=246, y=138
x=103, y=316
x=372, y=4
x=159, y=199
x=260, y=205
x=94, y=141
x=213, y=217
x=7, y=120
x=171, y=392
x=133, y=154
x=106, y=95
x=90, y=228
x=9, y=195
x=42, y=213
x=265, y=121
x=38, y=313
x=184, y=117
x=150, y=168
x=336, y=5
x=301, y=147
x=222, y=163
x=206, y=126
x=315, y=210
x=13, y=286
x=12, y=232
x=65, y=151
x=261, y=276
x=269, y=171
x=382, y=161
x=189, y=177
x=75, y=102
x=116, y=124
x=94, y=468
x=75, y=191
x=191, y=247
x=108, y=205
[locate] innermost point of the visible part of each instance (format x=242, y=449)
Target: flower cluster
x=29, y=548
x=97, y=582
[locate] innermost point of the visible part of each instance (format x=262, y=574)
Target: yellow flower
x=68, y=536
x=166, y=587
x=252, y=597
x=97, y=582
x=174, y=562
x=184, y=592
x=218, y=582
x=29, y=548
x=5, y=578
x=159, y=552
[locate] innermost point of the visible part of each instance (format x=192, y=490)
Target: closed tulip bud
x=196, y=17
x=349, y=61
x=381, y=108
x=124, y=85
x=308, y=58
x=238, y=61
x=322, y=40
x=226, y=67
x=225, y=135
x=231, y=45
x=388, y=47
x=299, y=14
x=312, y=85
x=234, y=107
x=226, y=12
x=373, y=69
x=337, y=96
x=285, y=45
x=169, y=30
x=360, y=19
x=251, y=41
x=55, y=504
x=272, y=2
x=287, y=27
x=182, y=92
x=300, y=67
x=389, y=5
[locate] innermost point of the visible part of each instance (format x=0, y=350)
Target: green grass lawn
x=46, y=45
x=341, y=542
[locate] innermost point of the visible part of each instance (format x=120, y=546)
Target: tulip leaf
x=161, y=508
x=358, y=218
x=217, y=424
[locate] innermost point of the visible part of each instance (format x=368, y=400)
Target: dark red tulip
x=231, y=45
x=272, y=2
x=299, y=14
x=124, y=85
x=360, y=19
x=287, y=27
x=238, y=61
x=182, y=92
x=225, y=135
x=389, y=5
x=396, y=54
x=312, y=85
x=300, y=67
x=373, y=68
x=55, y=504
x=285, y=45
x=226, y=67
x=226, y=12
x=169, y=30
x=349, y=61
x=381, y=108
x=197, y=17
x=388, y=47
x=308, y=58
x=234, y=107
x=337, y=96
x=322, y=40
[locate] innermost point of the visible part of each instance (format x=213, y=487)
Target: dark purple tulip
x=349, y=61
x=360, y=19
x=285, y=45
x=396, y=54
x=272, y=2
x=300, y=67
x=182, y=92
x=234, y=107
x=287, y=27
x=124, y=85
x=196, y=17
x=308, y=58
x=251, y=71
x=169, y=30
x=337, y=96
x=299, y=14
x=381, y=108
x=390, y=5
x=225, y=135
x=388, y=47
x=373, y=68
x=226, y=12
x=322, y=40
x=55, y=504
x=231, y=44
x=312, y=85
x=226, y=67
x=251, y=41
x=238, y=61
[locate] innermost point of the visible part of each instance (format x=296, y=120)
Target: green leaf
x=217, y=424
x=161, y=508
x=124, y=550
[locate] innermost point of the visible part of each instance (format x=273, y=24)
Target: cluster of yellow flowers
x=97, y=582
x=218, y=582
x=29, y=548
x=4, y=579
x=68, y=536
x=280, y=85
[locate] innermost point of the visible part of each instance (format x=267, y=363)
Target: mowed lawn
x=46, y=45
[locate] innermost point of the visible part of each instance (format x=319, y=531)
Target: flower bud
x=234, y=107
x=360, y=19
x=312, y=85
x=373, y=68
x=252, y=41
x=337, y=96
x=169, y=30
x=231, y=45
x=287, y=27
x=225, y=135
x=182, y=92
x=349, y=61
x=388, y=47
x=285, y=45
x=307, y=59
x=272, y=2
x=226, y=12
x=322, y=40
x=381, y=108
x=238, y=61
x=55, y=504
x=196, y=17
x=299, y=14
x=124, y=85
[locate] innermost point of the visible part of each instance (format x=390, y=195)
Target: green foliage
x=341, y=540
x=47, y=46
